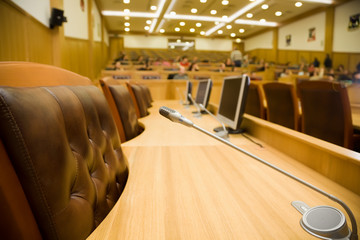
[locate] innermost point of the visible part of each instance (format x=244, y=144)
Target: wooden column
x=329, y=30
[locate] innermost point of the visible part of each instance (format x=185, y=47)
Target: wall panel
x=12, y=34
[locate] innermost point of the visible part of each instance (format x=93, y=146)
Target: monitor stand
x=230, y=130
x=202, y=112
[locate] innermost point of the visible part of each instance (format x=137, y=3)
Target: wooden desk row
x=186, y=185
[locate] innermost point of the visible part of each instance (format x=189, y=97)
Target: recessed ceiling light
x=126, y=1
x=198, y=24
x=147, y=28
x=256, y=23
x=127, y=24
x=298, y=4
x=172, y=13
x=233, y=35
x=172, y=46
x=153, y=8
x=241, y=30
x=249, y=15
x=177, y=29
x=238, y=40
x=278, y=13
x=127, y=29
x=264, y=6
x=192, y=29
x=224, y=17
x=262, y=20
x=203, y=1
x=213, y=12
x=178, y=40
x=225, y=2
x=182, y=23
x=162, y=30
x=202, y=33
x=220, y=32
x=127, y=17
x=216, y=23
x=228, y=26
x=126, y=10
x=148, y=21
x=194, y=10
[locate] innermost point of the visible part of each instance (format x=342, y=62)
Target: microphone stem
x=353, y=235
x=204, y=108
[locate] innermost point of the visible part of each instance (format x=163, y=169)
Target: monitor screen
x=203, y=92
x=233, y=100
x=187, y=91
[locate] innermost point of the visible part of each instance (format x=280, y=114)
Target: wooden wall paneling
x=353, y=61
x=282, y=56
x=305, y=56
x=116, y=47
x=76, y=56
x=39, y=43
x=12, y=34
x=340, y=58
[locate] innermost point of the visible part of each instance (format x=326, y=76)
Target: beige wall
x=23, y=38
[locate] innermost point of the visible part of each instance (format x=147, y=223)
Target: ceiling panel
x=163, y=18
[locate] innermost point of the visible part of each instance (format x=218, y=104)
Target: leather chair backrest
x=64, y=149
x=282, y=104
x=139, y=99
x=147, y=94
x=326, y=112
x=126, y=109
x=255, y=101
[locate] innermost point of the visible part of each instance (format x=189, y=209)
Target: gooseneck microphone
x=198, y=113
x=321, y=221
x=224, y=133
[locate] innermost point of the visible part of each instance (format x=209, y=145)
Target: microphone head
x=165, y=111
x=174, y=116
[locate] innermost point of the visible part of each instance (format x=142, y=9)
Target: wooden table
x=186, y=185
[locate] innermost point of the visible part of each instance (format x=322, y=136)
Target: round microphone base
x=325, y=222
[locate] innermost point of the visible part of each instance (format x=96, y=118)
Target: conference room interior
x=94, y=96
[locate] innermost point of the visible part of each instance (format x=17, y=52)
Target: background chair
x=255, y=101
x=62, y=166
x=139, y=98
x=282, y=104
x=122, y=106
x=326, y=112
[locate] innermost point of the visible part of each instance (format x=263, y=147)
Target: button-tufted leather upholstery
x=65, y=151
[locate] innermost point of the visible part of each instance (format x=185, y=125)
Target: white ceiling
x=235, y=10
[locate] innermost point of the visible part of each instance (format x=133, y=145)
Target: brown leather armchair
x=326, y=112
x=282, y=104
x=255, y=101
x=139, y=98
x=62, y=166
x=122, y=106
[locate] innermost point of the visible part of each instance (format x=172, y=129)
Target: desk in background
x=186, y=185
x=355, y=112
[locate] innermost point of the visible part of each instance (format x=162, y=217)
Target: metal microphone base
x=229, y=130
x=324, y=222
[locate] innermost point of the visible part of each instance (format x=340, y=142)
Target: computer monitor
x=203, y=92
x=232, y=102
x=187, y=91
